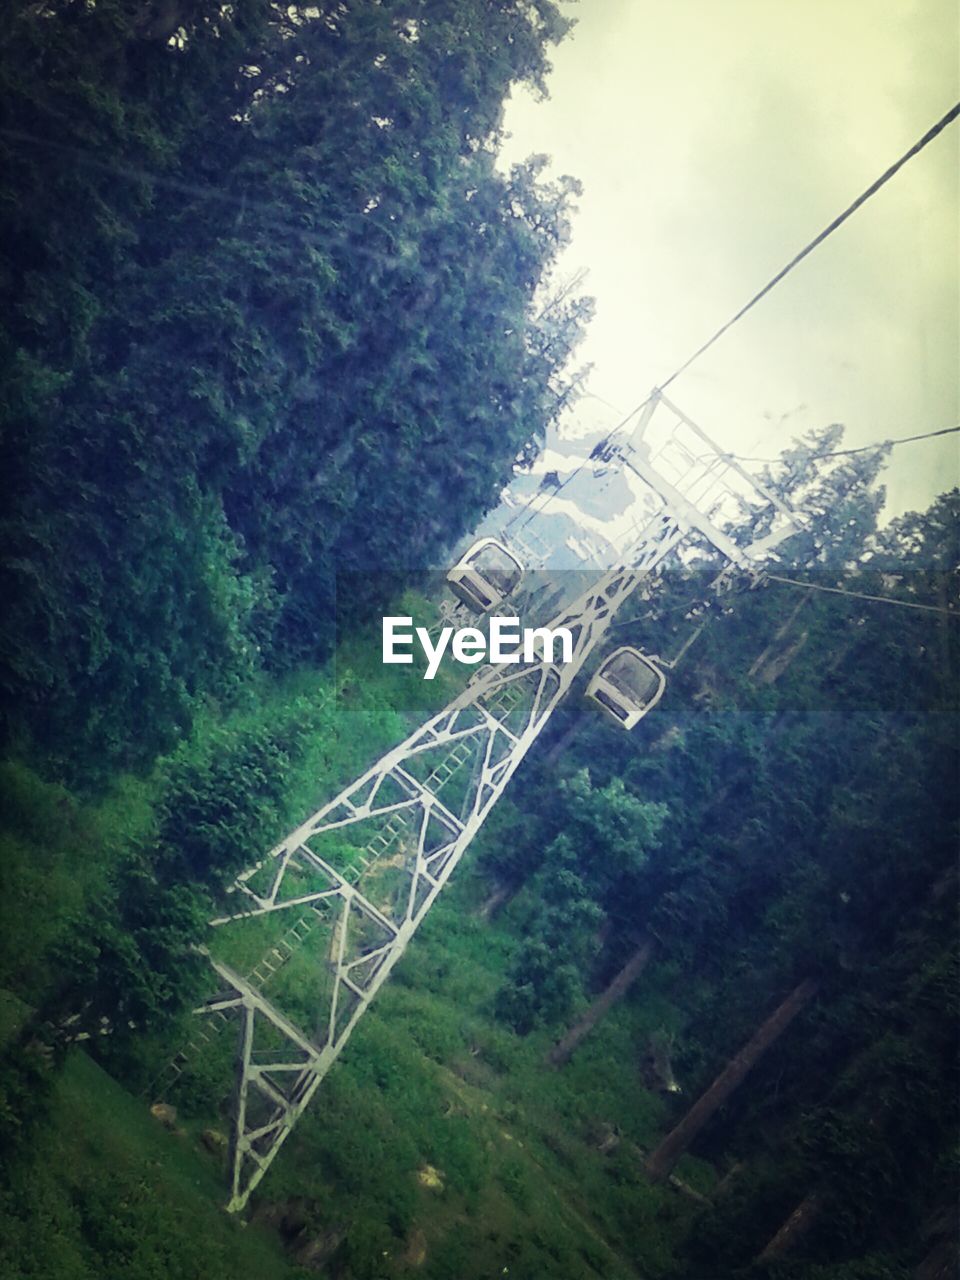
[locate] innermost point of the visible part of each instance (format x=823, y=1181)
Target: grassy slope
x=110, y=1192
x=430, y=1080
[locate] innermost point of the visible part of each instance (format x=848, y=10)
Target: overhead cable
x=874, y=187
x=842, y=453
x=861, y=595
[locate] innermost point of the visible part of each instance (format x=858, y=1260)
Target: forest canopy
x=271, y=315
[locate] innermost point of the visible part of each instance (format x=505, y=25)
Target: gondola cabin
x=485, y=576
x=627, y=686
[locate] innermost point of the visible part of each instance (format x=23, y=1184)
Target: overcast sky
x=714, y=138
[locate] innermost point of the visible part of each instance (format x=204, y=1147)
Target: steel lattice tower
x=341, y=897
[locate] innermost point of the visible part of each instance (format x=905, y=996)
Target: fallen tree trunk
x=795, y=1228
x=774, y=647
x=941, y=1263
x=617, y=989
x=941, y=1231
x=500, y=896
x=728, y=1179
x=679, y=1138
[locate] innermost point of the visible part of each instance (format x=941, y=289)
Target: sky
x=714, y=139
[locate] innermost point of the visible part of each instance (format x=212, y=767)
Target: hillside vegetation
x=275, y=329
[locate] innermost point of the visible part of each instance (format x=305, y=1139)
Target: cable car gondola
x=627, y=685
x=485, y=575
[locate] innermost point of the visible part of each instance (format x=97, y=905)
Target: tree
x=661, y=1161
x=303, y=314
x=615, y=990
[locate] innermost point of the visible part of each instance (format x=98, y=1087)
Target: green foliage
x=273, y=332
x=544, y=979
x=105, y=1191
x=802, y=769
x=298, y=321
x=606, y=835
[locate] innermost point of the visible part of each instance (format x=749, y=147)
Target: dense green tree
x=547, y=972
x=605, y=836
x=301, y=316
x=806, y=758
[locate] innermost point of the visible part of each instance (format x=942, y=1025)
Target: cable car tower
x=333, y=907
